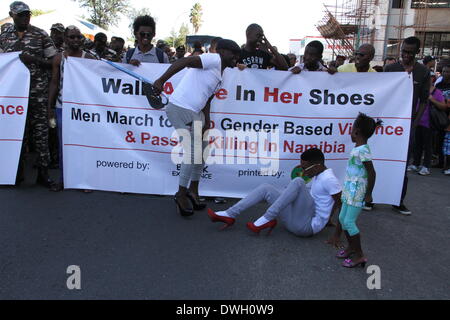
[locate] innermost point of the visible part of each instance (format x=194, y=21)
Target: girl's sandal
x=349, y=263
x=344, y=254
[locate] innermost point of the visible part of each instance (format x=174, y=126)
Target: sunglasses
x=24, y=14
x=145, y=34
x=73, y=37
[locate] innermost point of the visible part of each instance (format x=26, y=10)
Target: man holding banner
x=72, y=40
x=37, y=53
x=363, y=57
x=421, y=77
x=187, y=113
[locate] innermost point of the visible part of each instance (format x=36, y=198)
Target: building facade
x=385, y=23
x=297, y=47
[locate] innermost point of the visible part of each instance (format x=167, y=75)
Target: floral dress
x=355, y=184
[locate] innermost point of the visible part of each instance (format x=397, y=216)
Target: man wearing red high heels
x=304, y=209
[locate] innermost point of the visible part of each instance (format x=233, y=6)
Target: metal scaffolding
x=349, y=23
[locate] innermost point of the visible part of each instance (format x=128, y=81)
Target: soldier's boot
x=43, y=178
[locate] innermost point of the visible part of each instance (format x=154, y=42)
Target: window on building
x=418, y=4
x=393, y=48
x=434, y=43
x=397, y=4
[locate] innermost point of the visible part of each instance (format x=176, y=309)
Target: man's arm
x=177, y=66
x=336, y=207
x=206, y=111
x=424, y=94
x=42, y=62
x=419, y=114
x=54, y=85
x=335, y=240
x=277, y=59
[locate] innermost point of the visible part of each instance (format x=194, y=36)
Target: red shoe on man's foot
x=271, y=224
x=216, y=218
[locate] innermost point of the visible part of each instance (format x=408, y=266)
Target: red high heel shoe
x=216, y=218
x=271, y=224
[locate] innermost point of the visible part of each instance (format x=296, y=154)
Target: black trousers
x=410, y=151
x=423, y=146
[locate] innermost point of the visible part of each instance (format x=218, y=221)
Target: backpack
x=159, y=55
x=438, y=118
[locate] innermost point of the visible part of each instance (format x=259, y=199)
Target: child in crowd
x=358, y=186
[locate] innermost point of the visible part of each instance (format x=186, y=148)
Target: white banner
x=14, y=91
x=114, y=142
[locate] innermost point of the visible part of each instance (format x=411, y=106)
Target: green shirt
x=355, y=184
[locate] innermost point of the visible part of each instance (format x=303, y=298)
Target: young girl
x=358, y=186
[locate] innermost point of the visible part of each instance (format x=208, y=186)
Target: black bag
x=438, y=118
x=155, y=100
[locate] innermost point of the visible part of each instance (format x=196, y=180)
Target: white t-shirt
x=323, y=187
x=198, y=85
x=304, y=69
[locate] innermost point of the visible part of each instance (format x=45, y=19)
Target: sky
x=281, y=20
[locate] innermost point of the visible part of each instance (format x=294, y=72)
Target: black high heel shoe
x=182, y=211
x=197, y=205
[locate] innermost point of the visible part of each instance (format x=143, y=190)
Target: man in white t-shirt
x=304, y=209
x=312, y=59
x=188, y=112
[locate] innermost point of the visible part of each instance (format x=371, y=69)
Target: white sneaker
x=424, y=171
x=447, y=172
x=412, y=167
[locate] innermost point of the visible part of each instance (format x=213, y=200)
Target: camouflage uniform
x=107, y=54
x=58, y=27
x=37, y=43
x=5, y=27
x=53, y=142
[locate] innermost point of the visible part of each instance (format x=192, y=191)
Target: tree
x=38, y=12
x=179, y=39
x=196, y=16
x=134, y=13
x=105, y=13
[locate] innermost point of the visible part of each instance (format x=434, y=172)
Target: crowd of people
x=304, y=212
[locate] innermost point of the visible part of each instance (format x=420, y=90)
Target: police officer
x=38, y=51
